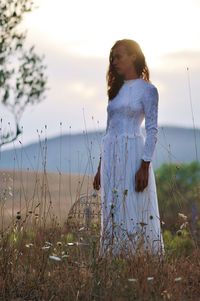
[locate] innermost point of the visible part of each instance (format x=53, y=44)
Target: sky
x=76, y=37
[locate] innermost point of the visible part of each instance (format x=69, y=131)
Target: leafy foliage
x=178, y=188
x=22, y=72
x=180, y=244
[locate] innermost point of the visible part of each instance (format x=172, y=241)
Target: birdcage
x=85, y=213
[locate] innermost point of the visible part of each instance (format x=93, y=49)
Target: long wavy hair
x=115, y=80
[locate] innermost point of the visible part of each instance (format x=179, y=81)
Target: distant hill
x=79, y=153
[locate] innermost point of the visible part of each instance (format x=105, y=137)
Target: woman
x=130, y=219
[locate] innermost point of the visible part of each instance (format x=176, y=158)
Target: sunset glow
x=89, y=28
x=76, y=37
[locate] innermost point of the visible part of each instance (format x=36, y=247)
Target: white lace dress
x=130, y=220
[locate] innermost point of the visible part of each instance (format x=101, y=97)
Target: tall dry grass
x=53, y=263
x=43, y=258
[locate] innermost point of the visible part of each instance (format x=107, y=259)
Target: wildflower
x=183, y=216
x=184, y=225
x=132, y=279
x=18, y=215
x=48, y=243
x=125, y=192
x=46, y=247
x=70, y=244
x=178, y=279
x=81, y=229
x=166, y=294
x=150, y=278
x=65, y=256
x=56, y=258
x=29, y=245
x=179, y=232
x=114, y=190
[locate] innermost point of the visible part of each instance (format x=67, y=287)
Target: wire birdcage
x=85, y=213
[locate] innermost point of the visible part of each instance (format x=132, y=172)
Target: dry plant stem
x=99, y=167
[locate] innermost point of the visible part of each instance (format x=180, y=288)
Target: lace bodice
x=137, y=100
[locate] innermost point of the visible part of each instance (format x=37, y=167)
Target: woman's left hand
x=141, y=176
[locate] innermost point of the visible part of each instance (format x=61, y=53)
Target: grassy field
x=40, y=192
x=44, y=258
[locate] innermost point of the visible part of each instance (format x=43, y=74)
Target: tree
x=22, y=71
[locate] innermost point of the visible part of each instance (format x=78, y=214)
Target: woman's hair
x=115, y=80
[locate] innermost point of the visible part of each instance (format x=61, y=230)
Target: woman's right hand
x=97, y=181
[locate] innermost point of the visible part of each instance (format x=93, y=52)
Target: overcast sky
x=76, y=37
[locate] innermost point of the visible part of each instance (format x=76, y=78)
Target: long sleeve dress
x=130, y=220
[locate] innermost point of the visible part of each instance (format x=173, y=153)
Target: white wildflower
x=183, y=216
x=29, y=245
x=179, y=232
x=56, y=258
x=81, y=229
x=184, y=225
x=132, y=279
x=65, y=256
x=150, y=278
x=178, y=279
x=46, y=247
x=48, y=243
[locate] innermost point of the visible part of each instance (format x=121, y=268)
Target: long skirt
x=130, y=220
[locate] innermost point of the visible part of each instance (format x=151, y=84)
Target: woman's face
x=122, y=61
